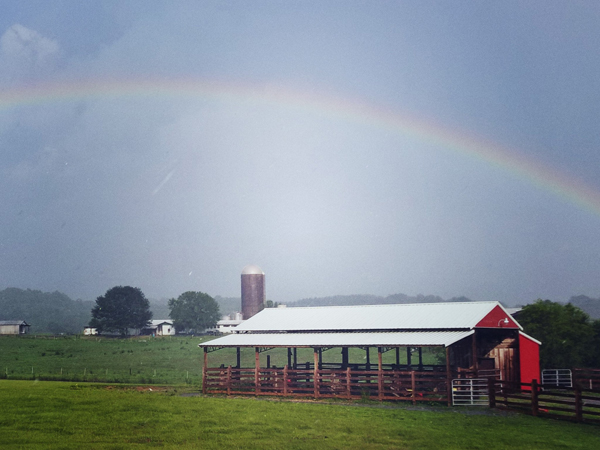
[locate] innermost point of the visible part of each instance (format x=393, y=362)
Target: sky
x=443, y=148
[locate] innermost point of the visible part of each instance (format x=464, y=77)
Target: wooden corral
x=484, y=344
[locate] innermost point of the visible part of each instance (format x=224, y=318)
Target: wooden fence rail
x=588, y=378
x=577, y=404
x=328, y=383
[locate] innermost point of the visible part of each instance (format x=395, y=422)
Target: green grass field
x=50, y=415
x=163, y=360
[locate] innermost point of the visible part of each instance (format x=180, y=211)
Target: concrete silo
x=253, y=290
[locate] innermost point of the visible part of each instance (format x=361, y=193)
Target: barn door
x=505, y=362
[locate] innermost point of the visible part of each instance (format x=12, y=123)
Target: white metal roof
x=418, y=316
x=400, y=339
x=160, y=321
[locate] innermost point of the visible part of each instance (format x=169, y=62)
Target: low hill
x=46, y=312
x=589, y=305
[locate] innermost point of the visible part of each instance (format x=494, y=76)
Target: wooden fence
x=577, y=403
x=588, y=378
x=328, y=383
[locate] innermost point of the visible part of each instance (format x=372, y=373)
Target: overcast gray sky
x=434, y=147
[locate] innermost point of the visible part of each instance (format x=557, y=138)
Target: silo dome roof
x=252, y=270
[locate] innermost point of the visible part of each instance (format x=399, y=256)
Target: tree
x=566, y=333
x=46, y=312
x=121, y=308
x=194, y=311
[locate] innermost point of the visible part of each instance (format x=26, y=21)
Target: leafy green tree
x=194, y=312
x=566, y=333
x=121, y=308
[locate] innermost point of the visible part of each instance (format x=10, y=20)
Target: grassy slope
x=45, y=415
x=176, y=360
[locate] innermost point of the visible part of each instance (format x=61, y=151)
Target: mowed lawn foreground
x=49, y=415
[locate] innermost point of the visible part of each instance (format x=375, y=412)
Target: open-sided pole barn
x=478, y=339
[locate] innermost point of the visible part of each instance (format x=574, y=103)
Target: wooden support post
x=421, y=358
x=448, y=377
x=398, y=357
x=578, y=404
x=238, y=358
x=268, y=361
x=379, y=375
x=368, y=358
x=534, y=398
x=474, y=351
x=289, y=357
x=204, y=366
x=229, y=380
x=256, y=370
x=295, y=366
x=316, y=373
x=491, y=392
x=414, y=387
x=344, y=357
x=320, y=358
x=348, y=383
x=408, y=359
x=285, y=378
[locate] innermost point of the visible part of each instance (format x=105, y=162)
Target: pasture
x=48, y=415
x=160, y=360
x=160, y=407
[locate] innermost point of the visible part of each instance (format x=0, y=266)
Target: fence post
x=534, y=397
x=379, y=375
x=491, y=392
x=348, y=382
x=204, y=366
x=285, y=379
x=256, y=369
x=316, y=374
x=229, y=379
x=448, y=377
x=578, y=404
x=414, y=387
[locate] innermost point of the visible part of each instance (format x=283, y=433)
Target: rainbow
x=536, y=172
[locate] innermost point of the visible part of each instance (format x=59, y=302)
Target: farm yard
x=44, y=415
x=122, y=393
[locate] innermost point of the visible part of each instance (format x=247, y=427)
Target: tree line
x=570, y=338
x=126, y=307
x=123, y=308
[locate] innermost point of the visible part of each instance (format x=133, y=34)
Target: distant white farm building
x=14, y=327
x=89, y=331
x=227, y=324
x=160, y=327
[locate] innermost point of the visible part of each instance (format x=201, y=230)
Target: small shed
x=14, y=327
x=473, y=339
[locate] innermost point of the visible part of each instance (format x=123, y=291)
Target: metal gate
x=557, y=377
x=470, y=392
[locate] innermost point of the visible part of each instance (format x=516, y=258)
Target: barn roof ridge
x=400, y=316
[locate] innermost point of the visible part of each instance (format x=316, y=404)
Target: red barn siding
x=495, y=319
x=529, y=356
